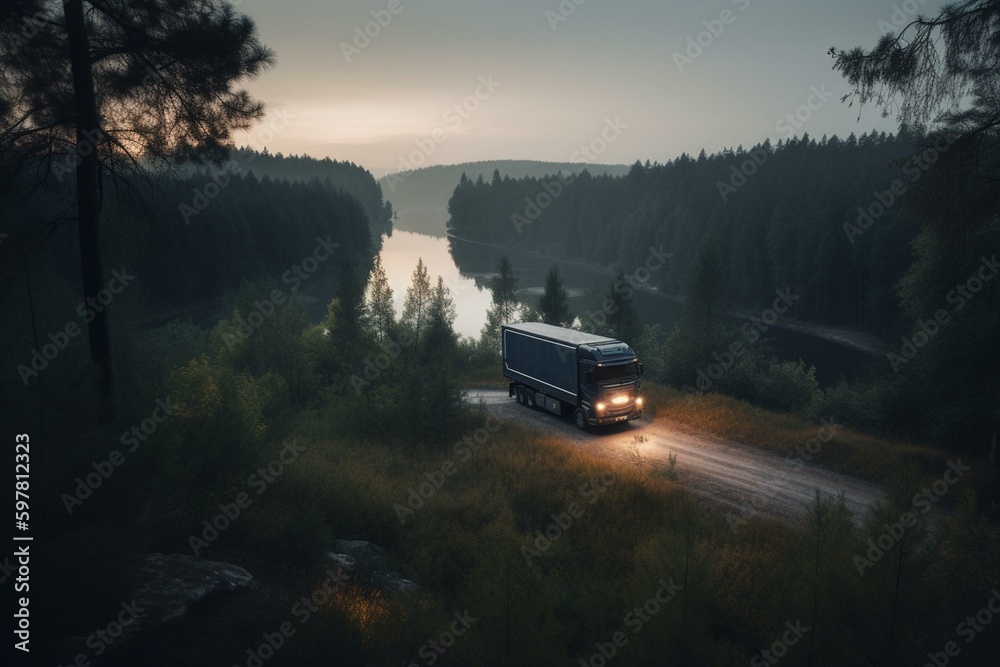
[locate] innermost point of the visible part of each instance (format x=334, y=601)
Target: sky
x=394, y=84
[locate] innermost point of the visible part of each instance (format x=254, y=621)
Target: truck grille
x=623, y=404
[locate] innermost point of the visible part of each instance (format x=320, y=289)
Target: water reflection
x=466, y=269
x=400, y=253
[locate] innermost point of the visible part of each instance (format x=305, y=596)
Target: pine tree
x=417, y=302
x=936, y=69
x=346, y=313
x=703, y=294
x=505, y=308
x=504, y=289
x=554, y=304
x=378, y=302
x=121, y=82
x=431, y=400
x=623, y=318
x=442, y=306
x=938, y=77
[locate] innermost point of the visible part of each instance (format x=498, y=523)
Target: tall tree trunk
x=88, y=137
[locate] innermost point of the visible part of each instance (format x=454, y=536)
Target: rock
x=368, y=555
x=168, y=584
x=368, y=564
x=342, y=560
x=391, y=582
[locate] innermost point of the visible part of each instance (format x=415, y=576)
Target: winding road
x=745, y=480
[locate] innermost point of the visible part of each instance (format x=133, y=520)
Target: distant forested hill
x=780, y=217
x=432, y=186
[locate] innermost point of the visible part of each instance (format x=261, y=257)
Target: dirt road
x=740, y=478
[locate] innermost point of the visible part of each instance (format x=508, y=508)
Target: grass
x=465, y=544
x=465, y=547
x=848, y=451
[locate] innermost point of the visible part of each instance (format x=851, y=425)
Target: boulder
x=169, y=584
x=367, y=555
x=368, y=564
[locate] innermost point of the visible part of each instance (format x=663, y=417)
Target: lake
x=400, y=253
x=466, y=269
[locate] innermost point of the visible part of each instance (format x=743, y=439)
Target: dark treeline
x=254, y=228
x=777, y=215
x=193, y=239
x=341, y=175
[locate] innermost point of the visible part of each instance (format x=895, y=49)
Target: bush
x=475, y=355
x=220, y=416
x=753, y=373
x=857, y=406
x=786, y=385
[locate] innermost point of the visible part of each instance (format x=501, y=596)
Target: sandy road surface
x=737, y=476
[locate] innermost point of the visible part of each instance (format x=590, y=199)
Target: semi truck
x=564, y=371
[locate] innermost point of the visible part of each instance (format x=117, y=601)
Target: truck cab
x=610, y=378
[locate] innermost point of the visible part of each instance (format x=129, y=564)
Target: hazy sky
x=556, y=73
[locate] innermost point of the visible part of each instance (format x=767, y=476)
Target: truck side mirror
x=640, y=369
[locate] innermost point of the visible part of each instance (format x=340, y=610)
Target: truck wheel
x=580, y=419
x=531, y=399
x=520, y=396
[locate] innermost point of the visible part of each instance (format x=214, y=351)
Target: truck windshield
x=619, y=374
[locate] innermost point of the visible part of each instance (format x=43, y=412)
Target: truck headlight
x=638, y=402
x=600, y=407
